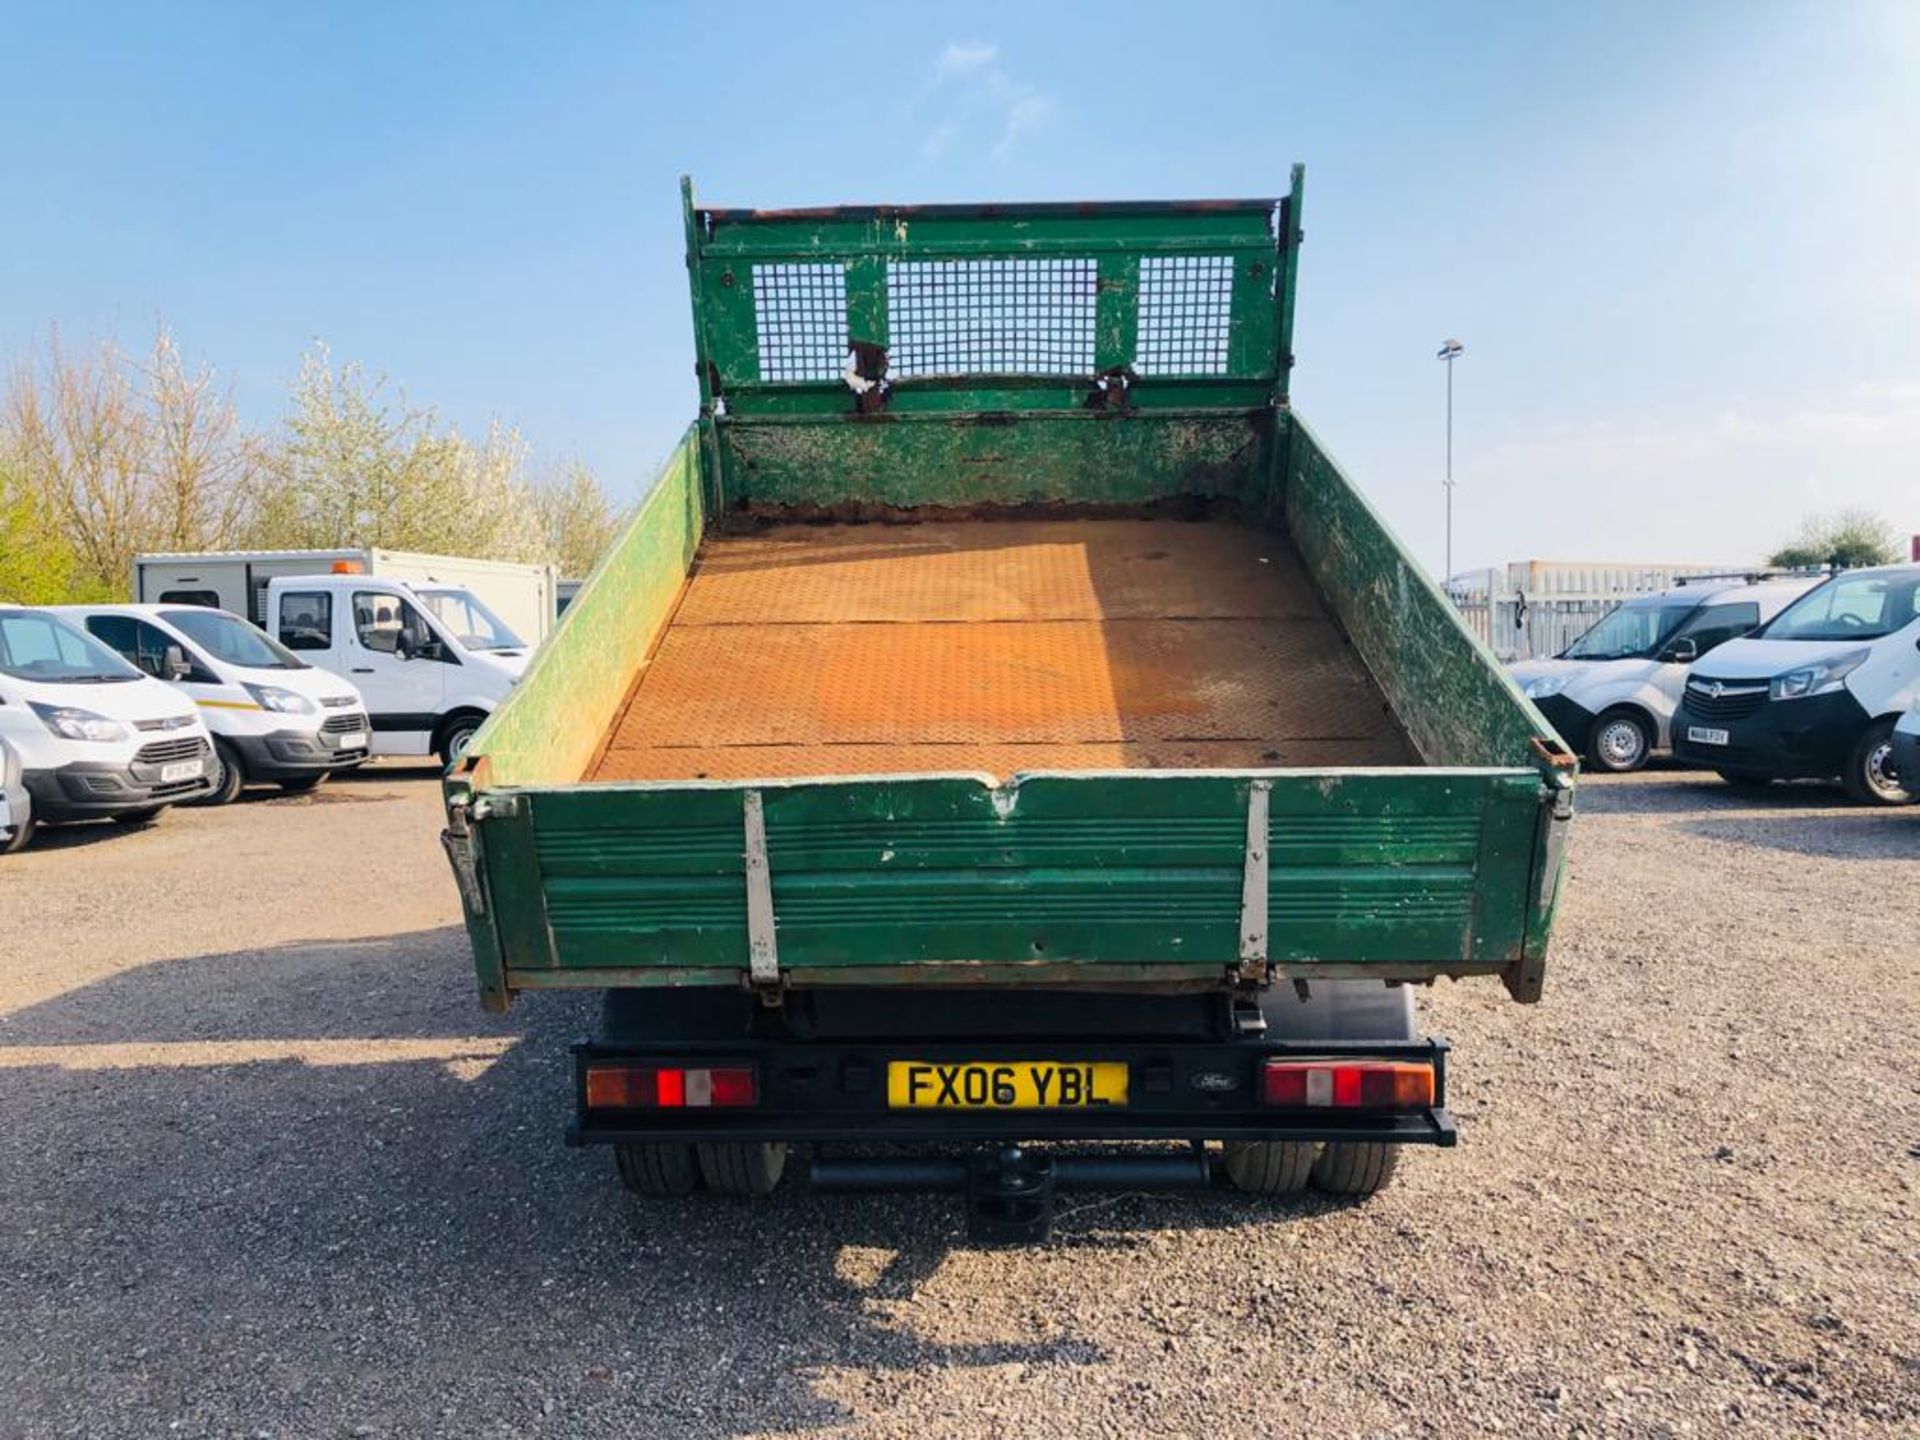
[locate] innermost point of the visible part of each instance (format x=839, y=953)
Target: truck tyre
x=1269, y=1167
x=1621, y=741
x=301, y=784
x=1356, y=1168
x=228, y=777
x=1869, y=775
x=658, y=1170
x=742, y=1167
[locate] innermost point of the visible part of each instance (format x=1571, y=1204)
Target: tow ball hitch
x=1010, y=1198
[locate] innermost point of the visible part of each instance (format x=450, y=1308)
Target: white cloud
x=963, y=57
x=977, y=100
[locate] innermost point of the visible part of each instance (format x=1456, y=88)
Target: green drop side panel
x=557, y=716
x=1390, y=869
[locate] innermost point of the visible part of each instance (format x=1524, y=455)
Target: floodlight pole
x=1449, y=352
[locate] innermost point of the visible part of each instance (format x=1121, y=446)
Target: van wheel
x=136, y=819
x=228, y=777
x=1869, y=774
x=456, y=736
x=1269, y=1167
x=659, y=1170
x=1358, y=1168
x=748, y=1168
x=1621, y=742
x=21, y=833
x=300, y=784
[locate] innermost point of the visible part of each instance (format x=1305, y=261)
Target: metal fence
x=1534, y=608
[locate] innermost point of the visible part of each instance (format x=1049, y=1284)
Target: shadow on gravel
x=1679, y=792
x=1860, y=834
x=314, y=1188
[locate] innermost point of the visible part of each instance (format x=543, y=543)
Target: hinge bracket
x=457, y=841
x=763, y=951
x=1254, y=948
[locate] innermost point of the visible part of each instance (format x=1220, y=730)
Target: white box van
x=96, y=738
x=526, y=597
x=275, y=718
x=1612, y=693
x=431, y=662
x=1817, y=692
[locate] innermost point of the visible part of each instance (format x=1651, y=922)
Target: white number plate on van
x=185, y=770
x=1701, y=735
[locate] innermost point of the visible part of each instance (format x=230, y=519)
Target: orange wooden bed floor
x=998, y=646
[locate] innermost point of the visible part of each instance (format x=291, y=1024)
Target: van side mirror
x=1681, y=652
x=174, y=666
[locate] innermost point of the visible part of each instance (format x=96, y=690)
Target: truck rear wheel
x=749, y=1167
x=1269, y=1167
x=1356, y=1168
x=661, y=1170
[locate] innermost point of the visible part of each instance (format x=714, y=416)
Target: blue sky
x=1680, y=242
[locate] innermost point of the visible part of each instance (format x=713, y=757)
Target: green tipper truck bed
x=998, y=627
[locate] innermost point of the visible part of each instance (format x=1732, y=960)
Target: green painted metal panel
x=1455, y=700
x=556, y=717
x=1086, y=870
x=1083, y=457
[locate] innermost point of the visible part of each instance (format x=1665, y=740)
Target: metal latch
x=1559, y=804
x=457, y=841
x=1253, y=887
x=763, y=951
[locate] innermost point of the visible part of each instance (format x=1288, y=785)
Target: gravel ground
x=268, y=1170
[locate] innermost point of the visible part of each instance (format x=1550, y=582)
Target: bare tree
x=203, y=471
x=81, y=439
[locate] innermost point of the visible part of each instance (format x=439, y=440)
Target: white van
x=431, y=662
x=275, y=719
x=96, y=738
x=1817, y=692
x=236, y=580
x=1612, y=693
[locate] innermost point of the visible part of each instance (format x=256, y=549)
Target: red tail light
x=1358, y=1085
x=670, y=1087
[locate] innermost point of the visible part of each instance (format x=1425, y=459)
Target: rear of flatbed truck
x=1003, y=722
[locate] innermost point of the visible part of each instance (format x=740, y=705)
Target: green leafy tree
x=36, y=563
x=1845, y=539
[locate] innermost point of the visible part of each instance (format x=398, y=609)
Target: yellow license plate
x=1005, y=1085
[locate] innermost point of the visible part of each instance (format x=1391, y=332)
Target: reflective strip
x=228, y=705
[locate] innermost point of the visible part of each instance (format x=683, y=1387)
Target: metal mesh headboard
x=963, y=309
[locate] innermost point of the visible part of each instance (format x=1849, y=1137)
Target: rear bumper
x=1806, y=739
x=99, y=789
x=289, y=754
x=836, y=1093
